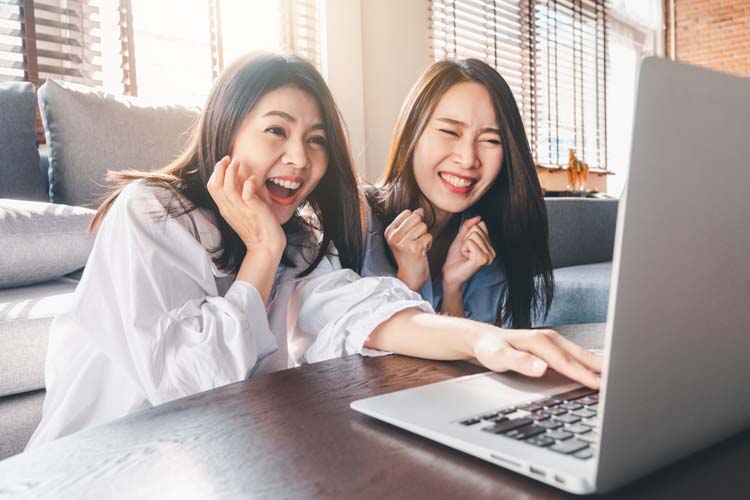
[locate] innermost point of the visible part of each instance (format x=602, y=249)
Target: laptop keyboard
x=566, y=423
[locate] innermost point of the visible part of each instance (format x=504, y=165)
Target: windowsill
x=600, y=171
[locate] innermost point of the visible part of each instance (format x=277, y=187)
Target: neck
x=442, y=218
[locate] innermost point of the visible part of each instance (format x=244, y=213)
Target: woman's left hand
x=470, y=251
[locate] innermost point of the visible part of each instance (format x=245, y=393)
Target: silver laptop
x=677, y=338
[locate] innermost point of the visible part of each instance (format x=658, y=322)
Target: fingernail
x=539, y=366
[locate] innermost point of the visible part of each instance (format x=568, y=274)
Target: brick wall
x=714, y=34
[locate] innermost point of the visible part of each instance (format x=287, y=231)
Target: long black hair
x=335, y=201
x=513, y=208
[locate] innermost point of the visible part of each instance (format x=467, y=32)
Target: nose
x=295, y=154
x=465, y=154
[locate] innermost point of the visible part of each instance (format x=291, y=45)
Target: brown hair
x=513, y=208
x=335, y=201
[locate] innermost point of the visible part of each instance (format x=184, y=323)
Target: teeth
x=287, y=184
x=456, y=181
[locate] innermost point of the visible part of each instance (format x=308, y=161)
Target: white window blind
x=42, y=39
x=553, y=54
x=178, y=61
x=167, y=49
x=12, y=47
x=302, y=29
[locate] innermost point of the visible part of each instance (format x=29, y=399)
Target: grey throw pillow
x=19, y=159
x=91, y=131
x=41, y=241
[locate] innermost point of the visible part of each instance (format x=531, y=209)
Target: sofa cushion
x=20, y=415
x=19, y=159
x=91, y=131
x=581, y=295
x=25, y=317
x=581, y=230
x=41, y=241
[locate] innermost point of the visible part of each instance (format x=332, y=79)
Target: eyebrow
x=459, y=123
x=286, y=116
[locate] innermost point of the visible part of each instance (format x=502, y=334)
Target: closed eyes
x=453, y=133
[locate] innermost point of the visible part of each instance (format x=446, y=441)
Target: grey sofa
x=45, y=242
x=46, y=205
x=582, y=239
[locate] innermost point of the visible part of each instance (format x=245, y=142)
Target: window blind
x=42, y=39
x=552, y=53
x=302, y=29
x=170, y=49
x=13, y=45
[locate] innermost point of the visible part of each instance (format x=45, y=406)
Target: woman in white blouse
x=206, y=272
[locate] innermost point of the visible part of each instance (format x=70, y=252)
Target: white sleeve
x=335, y=310
x=152, y=281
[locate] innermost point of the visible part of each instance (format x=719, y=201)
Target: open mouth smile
x=283, y=190
x=456, y=183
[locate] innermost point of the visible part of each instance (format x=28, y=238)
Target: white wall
x=342, y=67
x=375, y=51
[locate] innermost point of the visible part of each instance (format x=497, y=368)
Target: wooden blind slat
x=302, y=29
x=553, y=55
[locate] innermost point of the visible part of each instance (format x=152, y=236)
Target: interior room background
x=571, y=63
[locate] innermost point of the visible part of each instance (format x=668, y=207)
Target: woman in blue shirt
x=459, y=215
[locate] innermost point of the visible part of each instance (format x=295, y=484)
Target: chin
x=453, y=208
x=283, y=218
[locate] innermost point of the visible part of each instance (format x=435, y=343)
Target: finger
x=248, y=189
x=476, y=230
x=396, y=222
x=539, y=344
x=425, y=243
x=217, y=176
x=415, y=232
x=475, y=254
x=591, y=360
x=472, y=251
x=525, y=363
x=215, y=186
x=231, y=189
x=482, y=226
x=399, y=234
x=479, y=253
x=468, y=224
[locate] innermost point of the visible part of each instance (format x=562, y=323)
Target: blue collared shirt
x=482, y=293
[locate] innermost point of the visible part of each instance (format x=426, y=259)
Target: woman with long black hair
x=459, y=215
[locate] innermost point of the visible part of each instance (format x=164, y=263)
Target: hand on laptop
x=531, y=352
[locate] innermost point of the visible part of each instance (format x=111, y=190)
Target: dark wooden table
x=291, y=434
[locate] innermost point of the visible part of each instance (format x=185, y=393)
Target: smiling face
x=460, y=152
x=282, y=142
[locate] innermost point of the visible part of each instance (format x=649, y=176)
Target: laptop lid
x=678, y=333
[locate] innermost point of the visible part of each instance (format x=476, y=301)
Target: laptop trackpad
x=512, y=388
x=513, y=383
x=462, y=397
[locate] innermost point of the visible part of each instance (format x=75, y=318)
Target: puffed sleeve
x=334, y=311
x=150, y=282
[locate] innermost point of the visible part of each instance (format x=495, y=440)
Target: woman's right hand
x=531, y=352
x=245, y=211
x=409, y=242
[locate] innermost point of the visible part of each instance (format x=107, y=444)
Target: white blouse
x=154, y=320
